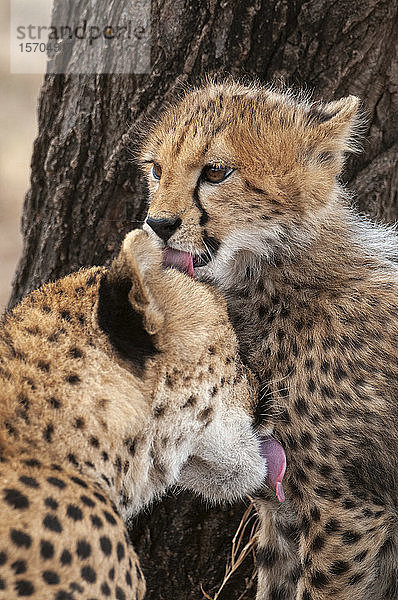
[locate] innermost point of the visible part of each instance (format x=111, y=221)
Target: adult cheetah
x=113, y=388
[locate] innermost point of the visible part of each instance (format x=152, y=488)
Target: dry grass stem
x=240, y=551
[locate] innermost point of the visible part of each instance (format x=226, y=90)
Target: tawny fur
x=312, y=291
x=115, y=385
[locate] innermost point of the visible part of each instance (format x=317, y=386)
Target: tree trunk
x=86, y=192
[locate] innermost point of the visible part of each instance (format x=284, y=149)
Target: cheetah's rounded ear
x=338, y=125
x=140, y=260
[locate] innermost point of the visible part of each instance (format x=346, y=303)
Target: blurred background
x=18, y=120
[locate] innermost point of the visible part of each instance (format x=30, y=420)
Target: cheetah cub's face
x=233, y=169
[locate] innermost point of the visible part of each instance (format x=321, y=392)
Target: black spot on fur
x=79, y=481
x=122, y=324
x=311, y=385
x=54, y=402
x=96, y=522
x=332, y=526
x=305, y=439
x=43, y=366
x=46, y=549
x=106, y=479
x=100, y=497
x=128, y=579
x=88, y=574
x=56, y=482
x=361, y=556
x=319, y=580
x=190, y=402
x=159, y=411
x=106, y=545
x=87, y=501
x=300, y=406
x=317, y=543
x=72, y=459
x=24, y=587
x=20, y=539
x=76, y=587
x=120, y=595
x=10, y=429
x=74, y=512
x=354, y=579
x=73, y=379
x=50, y=577
x=32, y=462
x=51, y=523
x=29, y=481
x=92, y=279
x=205, y=414
x=83, y=549
x=75, y=353
x=66, y=558
x=48, y=432
x=339, y=567
x=105, y=589
x=19, y=567
x=350, y=537
x=120, y=551
x=110, y=518
x=15, y=499
x=315, y=514
x=118, y=464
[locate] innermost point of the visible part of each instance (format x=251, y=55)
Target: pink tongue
x=276, y=463
x=178, y=259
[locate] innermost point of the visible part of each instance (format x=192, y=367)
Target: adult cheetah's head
x=174, y=335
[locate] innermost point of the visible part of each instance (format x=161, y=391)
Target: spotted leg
x=277, y=552
x=348, y=554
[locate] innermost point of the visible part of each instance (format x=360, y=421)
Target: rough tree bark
x=86, y=193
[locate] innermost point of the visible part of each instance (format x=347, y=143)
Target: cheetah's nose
x=164, y=228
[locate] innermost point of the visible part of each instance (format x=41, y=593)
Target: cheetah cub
x=113, y=388
x=245, y=180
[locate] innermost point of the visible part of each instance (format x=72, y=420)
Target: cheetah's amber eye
x=214, y=174
x=156, y=171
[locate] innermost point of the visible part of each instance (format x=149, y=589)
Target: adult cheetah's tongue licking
x=178, y=259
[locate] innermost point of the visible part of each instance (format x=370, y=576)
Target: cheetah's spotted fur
x=312, y=291
x=113, y=388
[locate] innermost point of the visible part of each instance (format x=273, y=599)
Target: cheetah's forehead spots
x=250, y=128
